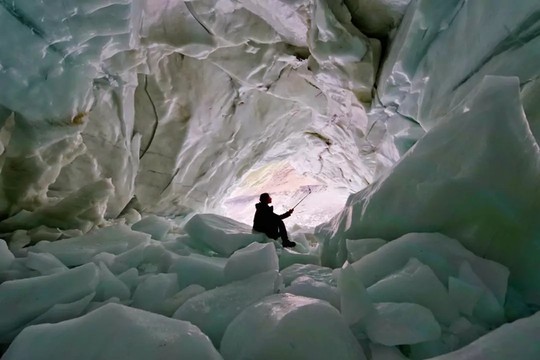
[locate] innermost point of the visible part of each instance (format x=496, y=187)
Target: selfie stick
x=303, y=198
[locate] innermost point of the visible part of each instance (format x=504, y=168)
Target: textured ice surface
x=464, y=295
x=431, y=80
x=201, y=270
x=62, y=57
x=355, y=303
x=306, y=286
x=23, y=300
x=79, y=250
x=155, y=226
x=316, y=272
x=82, y=209
x=146, y=257
x=154, y=292
x=289, y=327
x=442, y=254
x=404, y=323
x=113, y=332
x=253, y=259
x=213, y=310
x=44, y=263
x=416, y=283
x=291, y=256
x=517, y=340
x=356, y=249
x=221, y=234
x=110, y=286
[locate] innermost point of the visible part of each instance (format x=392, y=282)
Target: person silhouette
x=270, y=223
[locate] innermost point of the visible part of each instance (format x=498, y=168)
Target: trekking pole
x=303, y=198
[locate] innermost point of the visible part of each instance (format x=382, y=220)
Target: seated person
x=266, y=221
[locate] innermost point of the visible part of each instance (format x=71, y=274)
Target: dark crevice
x=196, y=17
x=526, y=82
x=170, y=181
x=156, y=122
x=323, y=138
x=456, y=12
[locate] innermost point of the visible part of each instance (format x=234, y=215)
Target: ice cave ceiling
x=175, y=101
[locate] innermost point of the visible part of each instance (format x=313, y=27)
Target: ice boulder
x=464, y=295
x=440, y=253
x=113, y=332
x=44, y=263
x=253, y=259
x=488, y=308
x=357, y=249
x=516, y=341
x=23, y=300
x=171, y=304
x=221, y=234
x=289, y=327
x=156, y=226
x=466, y=331
x=110, y=286
x=213, y=310
x=131, y=216
x=403, y=323
x=198, y=269
x=355, y=303
x=147, y=257
x=153, y=293
x=416, y=283
x=62, y=312
x=306, y=286
x=288, y=257
x=316, y=272
x=80, y=250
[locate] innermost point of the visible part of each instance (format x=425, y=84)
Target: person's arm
x=287, y=214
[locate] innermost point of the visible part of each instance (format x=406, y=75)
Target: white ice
x=113, y=332
x=290, y=327
x=403, y=323
x=213, y=310
x=221, y=234
x=253, y=259
x=126, y=125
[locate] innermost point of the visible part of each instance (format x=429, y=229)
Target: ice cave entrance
x=287, y=187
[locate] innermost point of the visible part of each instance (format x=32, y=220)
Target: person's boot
x=287, y=243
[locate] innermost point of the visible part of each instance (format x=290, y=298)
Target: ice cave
x=137, y=135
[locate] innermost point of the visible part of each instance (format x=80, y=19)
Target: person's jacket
x=265, y=218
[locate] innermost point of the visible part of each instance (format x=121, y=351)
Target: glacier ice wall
x=466, y=73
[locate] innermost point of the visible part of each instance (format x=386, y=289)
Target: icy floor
x=163, y=289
